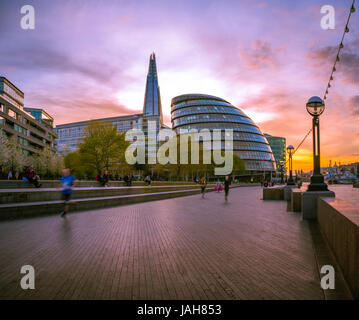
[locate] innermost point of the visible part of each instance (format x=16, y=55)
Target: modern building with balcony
x=200, y=111
x=31, y=130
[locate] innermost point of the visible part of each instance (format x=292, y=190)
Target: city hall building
x=201, y=111
x=32, y=127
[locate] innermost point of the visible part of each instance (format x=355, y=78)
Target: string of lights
x=340, y=47
x=337, y=59
x=299, y=145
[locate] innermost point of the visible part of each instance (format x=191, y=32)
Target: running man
x=67, y=184
x=227, y=183
x=203, y=184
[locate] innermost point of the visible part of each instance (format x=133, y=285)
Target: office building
x=70, y=135
x=278, y=146
x=34, y=133
x=200, y=111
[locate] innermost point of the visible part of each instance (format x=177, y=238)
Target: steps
x=52, y=194
x=19, y=184
x=38, y=202
x=31, y=209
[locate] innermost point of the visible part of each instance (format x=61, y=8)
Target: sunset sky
x=89, y=59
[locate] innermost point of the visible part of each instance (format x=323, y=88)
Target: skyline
x=257, y=55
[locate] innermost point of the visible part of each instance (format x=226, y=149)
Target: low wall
x=296, y=200
x=19, y=184
x=339, y=222
x=273, y=193
x=33, y=195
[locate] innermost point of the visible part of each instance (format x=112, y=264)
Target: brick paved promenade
x=182, y=248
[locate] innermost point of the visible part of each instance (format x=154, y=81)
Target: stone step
x=38, y=208
x=19, y=184
x=8, y=196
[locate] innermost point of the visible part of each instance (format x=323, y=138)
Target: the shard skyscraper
x=152, y=104
x=152, y=112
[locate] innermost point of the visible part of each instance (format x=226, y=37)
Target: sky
x=89, y=59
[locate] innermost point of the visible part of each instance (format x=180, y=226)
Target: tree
x=102, y=148
x=12, y=157
x=238, y=165
x=48, y=163
x=73, y=161
x=4, y=153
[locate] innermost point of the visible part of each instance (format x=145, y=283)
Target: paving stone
x=180, y=248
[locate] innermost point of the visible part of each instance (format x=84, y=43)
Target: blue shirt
x=67, y=183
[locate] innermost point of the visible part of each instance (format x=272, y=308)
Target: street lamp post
x=290, y=181
x=315, y=107
x=281, y=171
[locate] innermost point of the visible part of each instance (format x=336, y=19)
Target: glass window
x=11, y=113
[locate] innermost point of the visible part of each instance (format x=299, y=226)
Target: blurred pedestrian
x=227, y=183
x=148, y=180
x=203, y=184
x=105, y=179
x=218, y=186
x=67, y=184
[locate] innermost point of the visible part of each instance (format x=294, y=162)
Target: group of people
x=265, y=183
x=103, y=179
x=28, y=175
x=31, y=176
x=128, y=180
x=226, y=184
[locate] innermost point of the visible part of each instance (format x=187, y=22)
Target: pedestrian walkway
x=181, y=248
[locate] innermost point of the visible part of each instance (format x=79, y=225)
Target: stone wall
x=339, y=222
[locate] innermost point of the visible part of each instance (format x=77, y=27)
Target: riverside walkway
x=181, y=248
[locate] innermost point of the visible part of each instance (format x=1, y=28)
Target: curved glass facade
x=199, y=111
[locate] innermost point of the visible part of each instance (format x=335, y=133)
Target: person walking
x=227, y=183
x=9, y=176
x=148, y=180
x=67, y=184
x=105, y=179
x=30, y=175
x=218, y=186
x=203, y=184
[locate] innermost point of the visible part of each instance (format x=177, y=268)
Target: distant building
x=70, y=135
x=42, y=116
x=200, y=111
x=353, y=168
x=278, y=146
x=31, y=127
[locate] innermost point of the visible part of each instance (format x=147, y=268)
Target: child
x=203, y=184
x=218, y=186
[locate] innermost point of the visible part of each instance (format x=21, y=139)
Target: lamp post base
x=317, y=183
x=290, y=182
